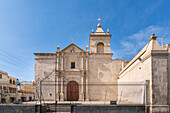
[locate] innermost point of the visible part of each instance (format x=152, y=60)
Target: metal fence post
x=40, y=98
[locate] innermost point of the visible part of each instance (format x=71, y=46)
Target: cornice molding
x=159, y=53
x=73, y=53
x=45, y=59
x=44, y=54
x=72, y=71
x=148, y=55
x=100, y=53
x=100, y=35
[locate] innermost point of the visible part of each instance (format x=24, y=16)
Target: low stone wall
x=19, y=108
x=76, y=109
x=131, y=93
x=108, y=109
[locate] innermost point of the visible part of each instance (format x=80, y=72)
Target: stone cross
x=72, y=39
x=99, y=19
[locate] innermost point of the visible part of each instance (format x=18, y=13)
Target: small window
x=14, y=82
x=10, y=81
x=0, y=76
x=12, y=90
x=72, y=50
x=49, y=94
x=72, y=65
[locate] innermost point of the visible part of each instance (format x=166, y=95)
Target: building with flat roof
x=27, y=91
x=8, y=87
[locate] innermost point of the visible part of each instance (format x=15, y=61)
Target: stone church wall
x=168, y=67
x=159, y=96
x=137, y=72
x=159, y=79
x=103, y=73
x=72, y=58
x=132, y=81
x=152, y=65
x=168, y=46
x=44, y=67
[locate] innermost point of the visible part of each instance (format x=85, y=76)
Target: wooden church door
x=72, y=91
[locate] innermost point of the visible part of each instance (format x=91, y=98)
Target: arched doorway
x=72, y=91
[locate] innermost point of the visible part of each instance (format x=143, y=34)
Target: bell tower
x=100, y=41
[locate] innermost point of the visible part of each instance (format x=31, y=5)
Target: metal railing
x=61, y=92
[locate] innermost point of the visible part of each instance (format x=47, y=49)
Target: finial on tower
x=92, y=32
x=58, y=48
x=87, y=48
x=99, y=25
x=153, y=37
x=107, y=31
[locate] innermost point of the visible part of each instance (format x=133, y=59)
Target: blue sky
x=34, y=26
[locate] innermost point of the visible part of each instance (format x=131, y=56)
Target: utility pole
x=1, y=95
x=162, y=41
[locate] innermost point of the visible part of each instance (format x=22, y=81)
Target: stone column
x=57, y=63
x=57, y=87
x=86, y=63
x=82, y=88
x=87, y=79
x=62, y=57
x=82, y=62
x=62, y=88
x=87, y=87
x=57, y=78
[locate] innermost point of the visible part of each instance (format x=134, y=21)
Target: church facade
x=73, y=74
x=79, y=75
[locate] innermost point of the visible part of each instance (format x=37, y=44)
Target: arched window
x=100, y=47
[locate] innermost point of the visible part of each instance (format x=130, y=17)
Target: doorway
x=72, y=91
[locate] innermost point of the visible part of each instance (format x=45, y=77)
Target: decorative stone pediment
x=72, y=48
